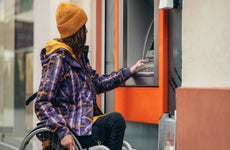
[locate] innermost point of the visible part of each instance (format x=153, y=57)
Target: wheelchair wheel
x=41, y=138
x=126, y=146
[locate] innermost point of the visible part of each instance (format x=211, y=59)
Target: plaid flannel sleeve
x=110, y=81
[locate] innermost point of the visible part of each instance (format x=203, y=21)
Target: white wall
x=206, y=43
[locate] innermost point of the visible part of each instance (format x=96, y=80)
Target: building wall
x=202, y=101
x=7, y=24
x=205, y=43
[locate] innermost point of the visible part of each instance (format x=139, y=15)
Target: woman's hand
x=138, y=65
x=68, y=142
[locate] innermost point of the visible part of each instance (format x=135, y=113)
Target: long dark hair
x=77, y=42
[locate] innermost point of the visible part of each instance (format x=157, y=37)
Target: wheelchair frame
x=42, y=129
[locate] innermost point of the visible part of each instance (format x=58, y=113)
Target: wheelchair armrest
x=31, y=98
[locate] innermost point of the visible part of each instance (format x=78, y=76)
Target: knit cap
x=69, y=18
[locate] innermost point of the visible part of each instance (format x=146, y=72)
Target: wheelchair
x=41, y=137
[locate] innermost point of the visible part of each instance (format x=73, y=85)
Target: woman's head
x=70, y=18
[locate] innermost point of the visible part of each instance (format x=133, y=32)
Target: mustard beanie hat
x=69, y=18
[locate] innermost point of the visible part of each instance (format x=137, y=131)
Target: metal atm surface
x=138, y=41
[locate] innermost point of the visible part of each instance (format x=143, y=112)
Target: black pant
x=108, y=130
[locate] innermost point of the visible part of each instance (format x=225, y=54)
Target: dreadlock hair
x=77, y=42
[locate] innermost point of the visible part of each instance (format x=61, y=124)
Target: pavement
x=5, y=146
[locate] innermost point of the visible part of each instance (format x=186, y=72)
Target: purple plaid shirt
x=67, y=92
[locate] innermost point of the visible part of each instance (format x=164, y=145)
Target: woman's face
x=86, y=31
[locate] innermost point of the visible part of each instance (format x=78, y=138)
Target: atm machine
x=139, y=30
x=145, y=76
x=137, y=38
x=142, y=34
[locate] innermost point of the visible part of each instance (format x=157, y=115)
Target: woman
x=66, y=98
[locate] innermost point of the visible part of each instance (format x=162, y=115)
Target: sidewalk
x=5, y=146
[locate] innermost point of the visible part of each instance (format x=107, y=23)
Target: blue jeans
x=108, y=130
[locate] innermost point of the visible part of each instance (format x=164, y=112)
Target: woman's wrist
x=133, y=69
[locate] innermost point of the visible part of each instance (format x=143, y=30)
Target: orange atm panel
x=145, y=103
